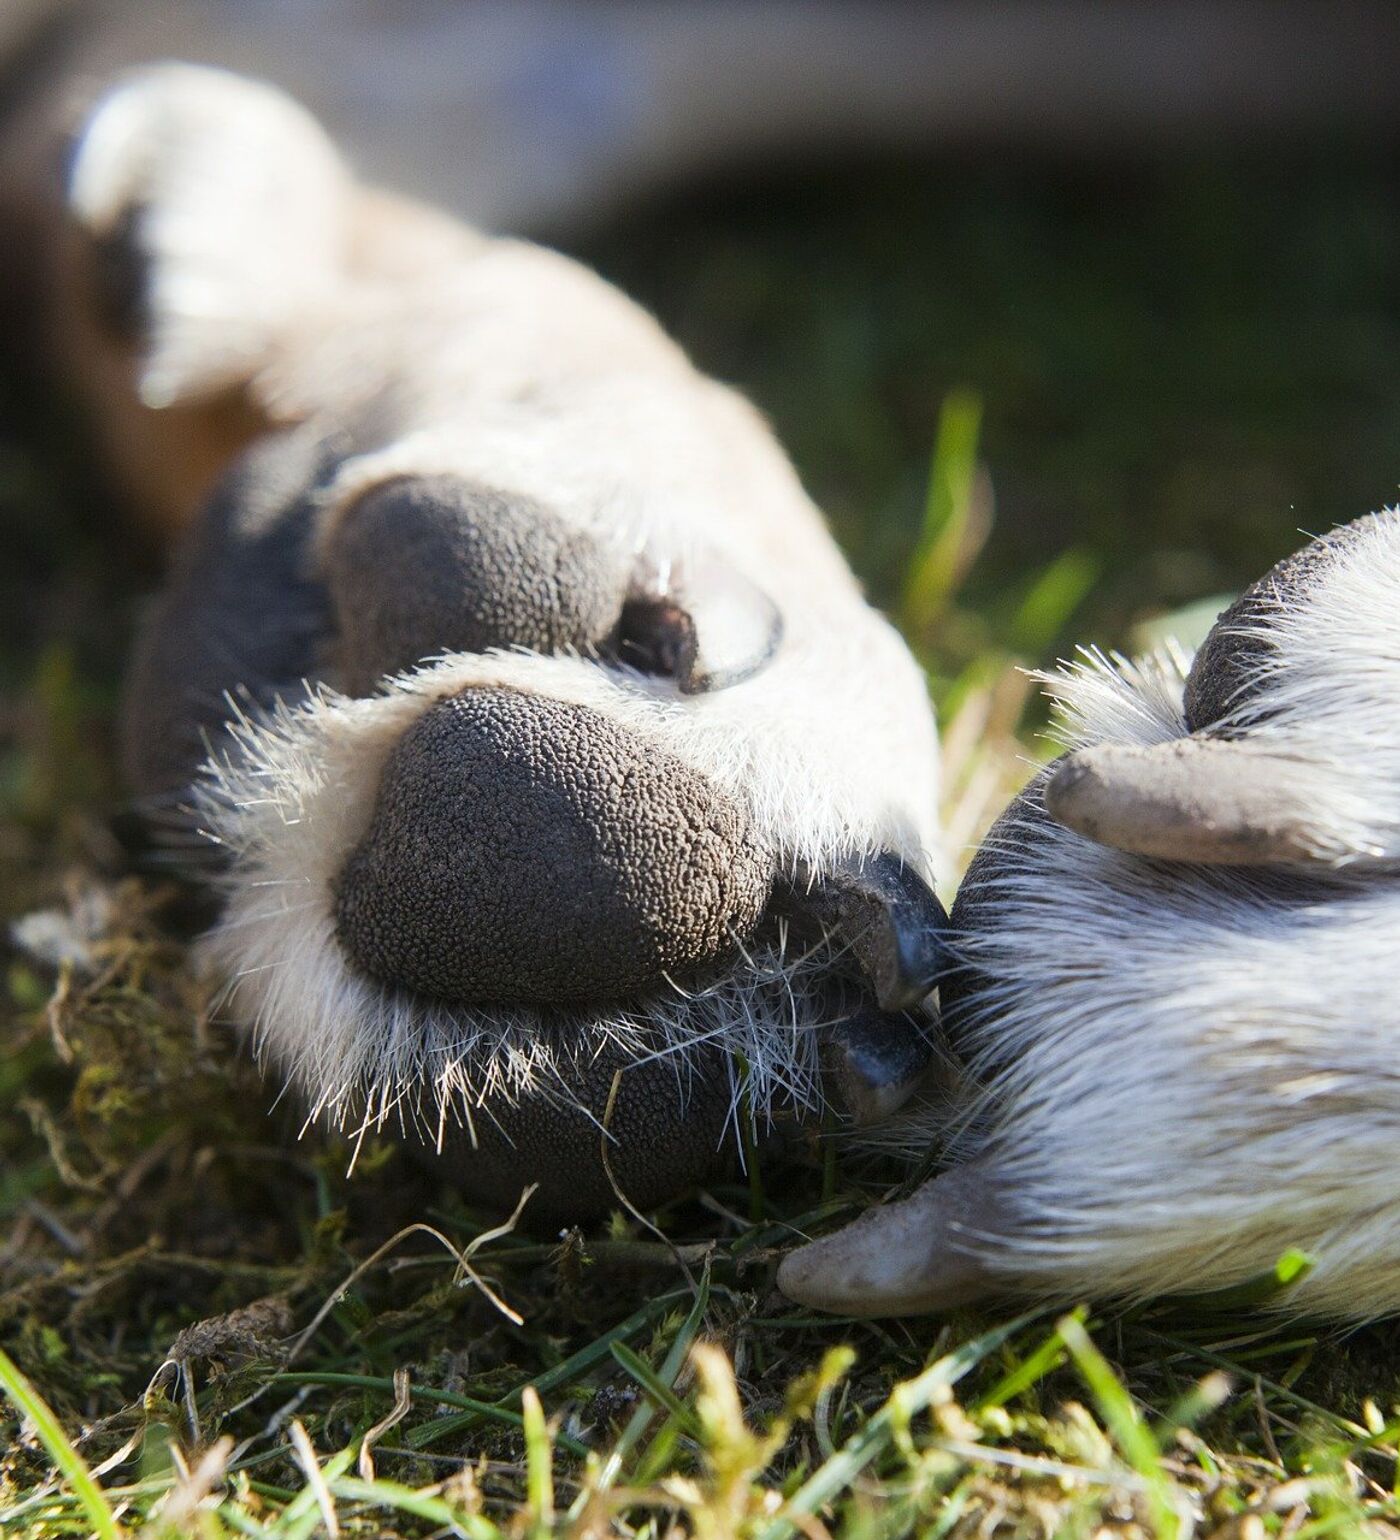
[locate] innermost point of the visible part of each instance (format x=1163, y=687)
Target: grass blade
x=539, y=1462
x=1050, y=602
x=421, y=1505
x=571, y=1370
x=657, y=1388
x=30, y=1404
x=836, y=1474
x=1048, y=1356
x=302, y=1516
x=641, y=1419
x=486, y=1411
x=937, y=563
x=1132, y=1435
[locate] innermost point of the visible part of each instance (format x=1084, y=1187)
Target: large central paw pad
x=529, y=849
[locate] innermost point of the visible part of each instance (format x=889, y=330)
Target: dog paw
x=467, y=879
x=570, y=802
x=1172, y=1007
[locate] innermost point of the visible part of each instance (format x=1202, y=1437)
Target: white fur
x=1178, y=1072
x=436, y=351
x=293, y=793
x=1330, y=698
x=523, y=371
x=243, y=211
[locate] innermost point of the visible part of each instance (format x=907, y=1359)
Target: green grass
x=1135, y=384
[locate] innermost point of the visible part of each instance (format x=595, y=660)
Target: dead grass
x=231, y=1339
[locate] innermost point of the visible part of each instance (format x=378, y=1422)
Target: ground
x=1137, y=383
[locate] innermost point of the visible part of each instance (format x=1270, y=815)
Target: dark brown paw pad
x=526, y=849
x=429, y=564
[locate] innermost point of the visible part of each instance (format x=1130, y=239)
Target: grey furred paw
x=1173, y=1006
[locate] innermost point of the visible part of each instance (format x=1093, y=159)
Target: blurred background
x=1072, y=314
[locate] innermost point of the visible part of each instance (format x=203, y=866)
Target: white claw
x=906, y=1258
x=1211, y=800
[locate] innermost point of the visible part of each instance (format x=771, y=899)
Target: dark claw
x=886, y=914
x=875, y=1061
x=713, y=629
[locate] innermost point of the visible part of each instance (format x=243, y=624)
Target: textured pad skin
x=528, y=849
x=668, y=1136
x=430, y=564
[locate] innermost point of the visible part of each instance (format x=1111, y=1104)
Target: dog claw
x=887, y=915
x=874, y=1062
x=905, y=1258
x=1211, y=800
x=712, y=629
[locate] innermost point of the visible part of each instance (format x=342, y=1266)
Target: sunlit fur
x=243, y=206
x=1328, y=698
x=429, y=349
x=291, y=795
x=1178, y=1073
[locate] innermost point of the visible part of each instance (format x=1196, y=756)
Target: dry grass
x=221, y=1335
